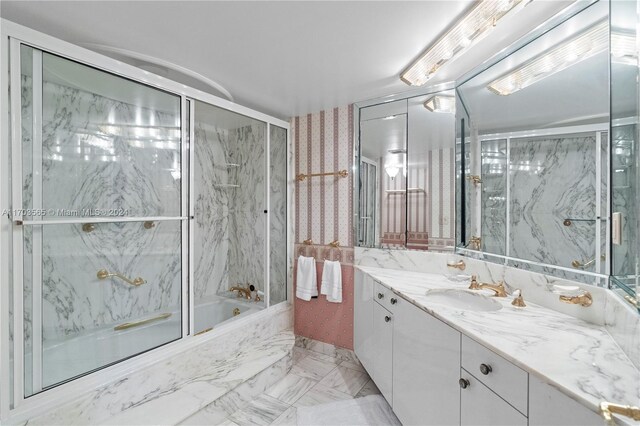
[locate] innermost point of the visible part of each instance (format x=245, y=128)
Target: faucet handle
x=474, y=283
x=518, y=301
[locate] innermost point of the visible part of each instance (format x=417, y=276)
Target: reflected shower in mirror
x=406, y=173
x=535, y=153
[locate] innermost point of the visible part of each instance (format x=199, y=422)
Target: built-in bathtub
x=66, y=359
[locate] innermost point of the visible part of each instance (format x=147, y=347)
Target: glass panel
x=430, y=178
x=92, y=318
x=625, y=156
x=110, y=146
x=96, y=145
x=494, y=201
x=229, y=195
x=383, y=175
x=278, y=214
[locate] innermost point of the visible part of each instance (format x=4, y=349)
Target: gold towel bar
x=341, y=173
x=127, y=325
x=104, y=274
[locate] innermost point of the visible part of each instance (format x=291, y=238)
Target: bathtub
x=63, y=360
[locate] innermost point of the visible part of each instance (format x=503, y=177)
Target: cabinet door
x=383, y=351
x=426, y=368
x=480, y=406
x=548, y=406
x=363, y=320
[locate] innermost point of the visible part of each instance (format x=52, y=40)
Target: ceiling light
x=392, y=171
x=437, y=103
x=475, y=24
x=623, y=48
x=576, y=49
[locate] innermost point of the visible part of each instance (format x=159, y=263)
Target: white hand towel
x=332, y=281
x=307, y=281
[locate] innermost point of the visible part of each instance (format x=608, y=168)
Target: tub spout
x=242, y=292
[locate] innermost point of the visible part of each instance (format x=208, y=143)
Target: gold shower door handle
x=104, y=274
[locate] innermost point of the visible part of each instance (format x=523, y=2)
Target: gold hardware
x=103, y=274
x=127, y=325
x=578, y=264
x=474, y=283
x=498, y=289
x=236, y=312
x=308, y=241
x=149, y=224
x=203, y=331
x=334, y=244
x=341, y=173
x=631, y=300
x=242, y=292
x=88, y=227
x=457, y=265
x=584, y=299
x=258, y=298
x=518, y=301
x=475, y=179
x=475, y=243
x=608, y=408
x=567, y=222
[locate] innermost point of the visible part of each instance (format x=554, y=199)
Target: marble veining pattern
x=579, y=358
x=278, y=214
x=189, y=380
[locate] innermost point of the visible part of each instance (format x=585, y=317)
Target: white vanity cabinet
x=363, y=333
x=426, y=368
x=382, y=374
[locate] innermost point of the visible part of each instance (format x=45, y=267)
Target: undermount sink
x=464, y=300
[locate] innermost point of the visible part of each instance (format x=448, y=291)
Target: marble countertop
x=579, y=358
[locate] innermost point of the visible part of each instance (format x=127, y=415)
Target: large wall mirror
x=405, y=182
x=533, y=153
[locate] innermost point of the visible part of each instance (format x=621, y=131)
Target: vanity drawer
x=385, y=297
x=508, y=381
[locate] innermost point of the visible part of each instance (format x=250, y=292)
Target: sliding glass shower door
x=98, y=193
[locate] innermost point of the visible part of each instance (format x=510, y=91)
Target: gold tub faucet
x=242, y=292
x=585, y=299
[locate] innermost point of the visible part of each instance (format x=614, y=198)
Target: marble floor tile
x=263, y=410
x=291, y=387
x=352, y=365
x=323, y=357
x=227, y=422
x=320, y=394
x=288, y=418
x=299, y=353
x=312, y=368
x=209, y=415
x=369, y=388
x=346, y=380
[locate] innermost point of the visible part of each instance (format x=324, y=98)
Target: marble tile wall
x=494, y=196
x=323, y=142
x=538, y=205
x=88, y=164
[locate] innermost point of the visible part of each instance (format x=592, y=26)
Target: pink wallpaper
x=324, y=143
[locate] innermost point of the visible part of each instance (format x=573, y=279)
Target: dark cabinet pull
x=485, y=369
x=387, y=318
x=380, y=295
x=394, y=300
x=464, y=383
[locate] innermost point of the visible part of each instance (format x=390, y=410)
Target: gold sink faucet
x=498, y=289
x=585, y=299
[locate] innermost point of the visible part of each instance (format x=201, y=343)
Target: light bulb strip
x=476, y=23
x=576, y=49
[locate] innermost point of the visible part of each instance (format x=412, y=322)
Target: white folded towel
x=332, y=281
x=307, y=280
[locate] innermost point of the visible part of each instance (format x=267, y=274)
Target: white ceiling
x=282, y=58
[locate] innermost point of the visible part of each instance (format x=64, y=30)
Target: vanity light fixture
x=438, y=103
x=623, y=48
x=576, y=49
x=392, y=171
x=474, y=25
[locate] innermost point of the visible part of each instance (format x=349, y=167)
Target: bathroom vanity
x=443, y=355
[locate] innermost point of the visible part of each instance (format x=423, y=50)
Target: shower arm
x=104, y=274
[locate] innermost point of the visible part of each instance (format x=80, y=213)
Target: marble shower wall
x=494, y=195
x=229, y=219
x=552, y=179
x=93, y=158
